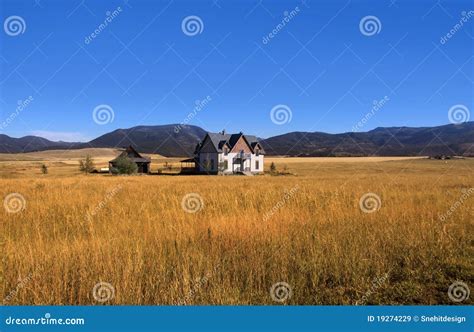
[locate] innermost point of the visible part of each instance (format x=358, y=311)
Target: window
x=257, y=152
x=212, y=164
x=226, y=151
x=226, y=164
x=257, y=164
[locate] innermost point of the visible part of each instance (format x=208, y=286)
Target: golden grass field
x=305, y=229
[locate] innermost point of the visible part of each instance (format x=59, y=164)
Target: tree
x=124, y=165
x=44, y=169
x=86, y=165
x=273, y=168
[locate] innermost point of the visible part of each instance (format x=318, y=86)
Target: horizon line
x=189, y=125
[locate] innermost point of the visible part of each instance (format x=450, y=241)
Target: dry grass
x=247, y=236
x=61, y=163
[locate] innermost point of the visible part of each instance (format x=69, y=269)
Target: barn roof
x=133, y=155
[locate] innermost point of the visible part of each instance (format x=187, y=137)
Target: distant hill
x=172, y=141
x=166, y=140
x=30, y=143
x=393, y=141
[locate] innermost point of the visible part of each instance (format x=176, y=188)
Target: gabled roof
x=133, y=155
x=219, y=140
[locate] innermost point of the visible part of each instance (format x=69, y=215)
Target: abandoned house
x=143, y=163
x=223, y=153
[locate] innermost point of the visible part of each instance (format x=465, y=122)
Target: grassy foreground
x=149, y=243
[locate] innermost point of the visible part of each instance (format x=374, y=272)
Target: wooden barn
x=143, y=163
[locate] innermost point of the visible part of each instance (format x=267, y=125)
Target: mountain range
x=180, y=141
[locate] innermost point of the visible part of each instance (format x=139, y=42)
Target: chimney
x=223, y=132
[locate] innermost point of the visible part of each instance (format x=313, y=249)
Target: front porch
x=188, y=166
x=241, y=162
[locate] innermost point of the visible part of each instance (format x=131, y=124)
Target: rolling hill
x=402, y=141
x=170, y=141
x=30, y=143
x=165, y=140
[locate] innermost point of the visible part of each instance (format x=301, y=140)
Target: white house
x=229, y=153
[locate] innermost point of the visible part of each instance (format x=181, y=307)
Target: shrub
x=273, y=168
x=124, y=165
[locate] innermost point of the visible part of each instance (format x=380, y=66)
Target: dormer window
x=226, y=151
x=257, y=152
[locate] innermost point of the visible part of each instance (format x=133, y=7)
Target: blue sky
x=321, y=65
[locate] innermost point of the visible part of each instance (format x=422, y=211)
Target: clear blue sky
x=150, y=72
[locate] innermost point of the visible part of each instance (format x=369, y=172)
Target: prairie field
x=332, y=231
